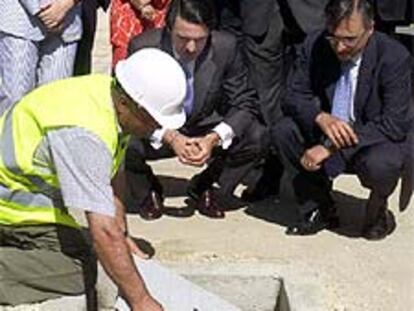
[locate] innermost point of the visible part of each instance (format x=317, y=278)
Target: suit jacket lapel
x=365, y=76
x=203, y=75
x=332, y=76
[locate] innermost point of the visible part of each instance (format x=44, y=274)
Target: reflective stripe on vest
x=26, y=195
x=26, y=208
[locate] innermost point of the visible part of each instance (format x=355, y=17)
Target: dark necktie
x=189, y=96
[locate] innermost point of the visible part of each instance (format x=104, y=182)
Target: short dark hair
x=338, y=10
x=193, y=11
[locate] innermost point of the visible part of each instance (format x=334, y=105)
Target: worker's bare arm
x=113, y=253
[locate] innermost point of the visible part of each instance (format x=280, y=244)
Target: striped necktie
x=342, y=100
x=341, y=108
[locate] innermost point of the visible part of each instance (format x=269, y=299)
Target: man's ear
x=123, y=103
x=371, y=28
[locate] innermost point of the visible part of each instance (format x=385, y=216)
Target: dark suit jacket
x=382, y=99
x=256, y=15
x=309, y=14
x=391, y=10
x=221, y=91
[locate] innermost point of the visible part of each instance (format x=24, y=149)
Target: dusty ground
x=328, y=271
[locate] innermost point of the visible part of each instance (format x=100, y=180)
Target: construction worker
x=60, y=148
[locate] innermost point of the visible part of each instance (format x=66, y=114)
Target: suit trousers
x=26, y=64
x=265, y=61
x=378, y=167
x=226, y=167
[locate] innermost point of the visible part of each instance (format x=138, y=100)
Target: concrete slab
x=174, y=292
x=246, y=287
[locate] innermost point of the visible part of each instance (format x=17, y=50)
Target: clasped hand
x=194, y=151
x=53, y=14
x=145, y=8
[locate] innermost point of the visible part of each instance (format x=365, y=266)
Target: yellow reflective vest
x=27, y=195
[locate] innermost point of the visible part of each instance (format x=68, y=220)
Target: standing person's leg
x=56, y=59
x=379, y=168
x=43, y=262
x=265, y=55
x=83, y=60
x=18, y=62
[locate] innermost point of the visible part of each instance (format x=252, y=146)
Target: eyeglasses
x=350, y=41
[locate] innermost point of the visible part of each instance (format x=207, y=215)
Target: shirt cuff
x=156, y=138
x=226, y=134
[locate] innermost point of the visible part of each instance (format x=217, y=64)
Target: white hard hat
x=155, y=81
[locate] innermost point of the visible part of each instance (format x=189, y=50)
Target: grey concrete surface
x=177, y=293
x=331, y=271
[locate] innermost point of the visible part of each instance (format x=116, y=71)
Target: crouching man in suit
x=347, y=109
x=221, y=128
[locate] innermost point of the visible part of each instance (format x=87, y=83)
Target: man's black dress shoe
x=268, y=184
x=313, y=223
x=378, y=231
x=152, y=207
x=375, y=225
x=208, y=204
x=259, y=193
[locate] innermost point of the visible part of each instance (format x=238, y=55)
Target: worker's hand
x=148, y=304
x=205, y=145
x=340, y=133
x=52, y=15
x=313, y=158
x=134, y=249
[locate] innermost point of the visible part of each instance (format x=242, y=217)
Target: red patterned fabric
x=126, y=22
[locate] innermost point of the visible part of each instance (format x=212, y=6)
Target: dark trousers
x=269, y=57
x=83, y=61
x=378, y=167
x=227, y=167
x=41, y=262
x=265, y=61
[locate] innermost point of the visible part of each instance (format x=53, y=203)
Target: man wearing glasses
x=347, y=110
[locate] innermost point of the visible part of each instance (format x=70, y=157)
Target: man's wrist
x=170, y=136
x=213, y=138
x=327, y=143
